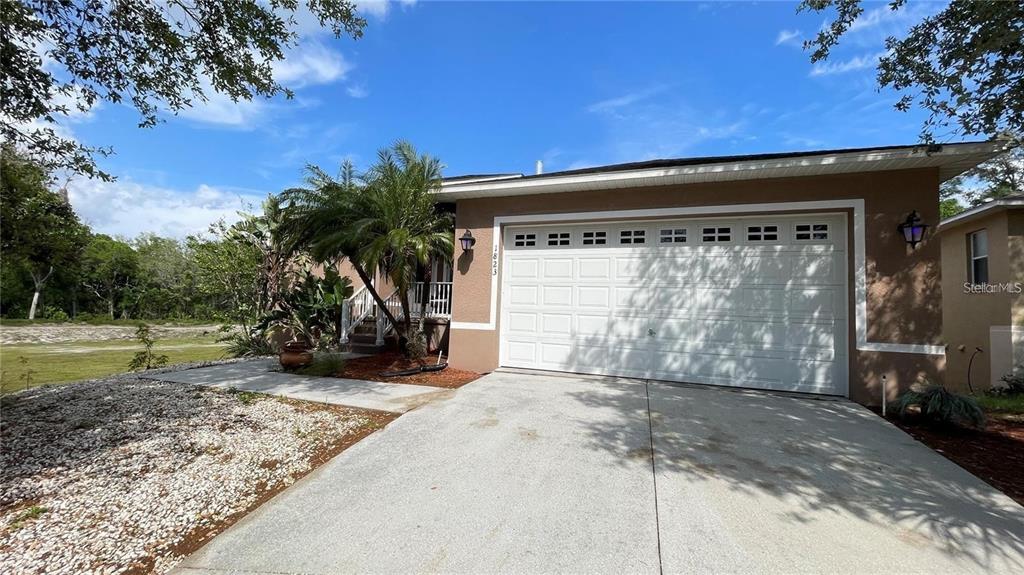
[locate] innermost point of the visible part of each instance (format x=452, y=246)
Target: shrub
x=146, y=359
x=941, y=407
x=416, y=345
x=324, y=365
x=1014, y=382
x=55, y=314
x=245, y=342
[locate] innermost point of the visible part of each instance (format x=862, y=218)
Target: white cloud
x=311, y=63
x=856, y=63
x=357, y=91
x=376, y=8
x=128, y=208
x=788, y=38
x=221, y=110
x=612, y=104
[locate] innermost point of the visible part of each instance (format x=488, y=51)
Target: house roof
x=1008, y=203
x=951, y=159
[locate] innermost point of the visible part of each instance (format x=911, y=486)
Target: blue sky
x=493, y=87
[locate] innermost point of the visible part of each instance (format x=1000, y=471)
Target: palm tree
x=385, y=222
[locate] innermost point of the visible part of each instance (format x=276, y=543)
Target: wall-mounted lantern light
x=467, y=240
x=913, y=229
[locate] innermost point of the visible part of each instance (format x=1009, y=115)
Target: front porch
x=364, y=327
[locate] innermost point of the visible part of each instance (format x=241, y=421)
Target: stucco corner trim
x=859, y=256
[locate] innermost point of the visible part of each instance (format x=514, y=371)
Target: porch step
x=357, y=337
x=367, y=348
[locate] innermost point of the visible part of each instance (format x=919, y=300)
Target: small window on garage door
x=763, y=233
x=673, y=235
x=811, y=232
x=559, y=238
x=632, y=237
x=524, y=240
x=595, y=237
x=716, y=234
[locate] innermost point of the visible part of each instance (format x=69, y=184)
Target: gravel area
x=64, y=333
x=124, y=475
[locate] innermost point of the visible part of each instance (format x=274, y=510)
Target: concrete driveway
x=520, y=473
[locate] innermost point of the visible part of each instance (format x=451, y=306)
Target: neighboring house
x=982, y=280
x=774, y=271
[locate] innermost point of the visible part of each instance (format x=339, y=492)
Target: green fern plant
x=941, y=407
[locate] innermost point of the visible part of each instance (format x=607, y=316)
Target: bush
x=55, y=314
x=146, y=359
x=246, y=343
x=416, y=345
x=1014, y=382
x=324, y=365
x=941, y=407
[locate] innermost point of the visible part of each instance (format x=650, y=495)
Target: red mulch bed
x=370, y=368
x=995, y=454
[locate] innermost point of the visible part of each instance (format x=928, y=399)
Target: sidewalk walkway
x=257, y=376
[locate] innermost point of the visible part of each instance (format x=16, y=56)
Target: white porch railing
x=361, y=306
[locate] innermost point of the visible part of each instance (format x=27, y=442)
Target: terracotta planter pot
x=295, y=354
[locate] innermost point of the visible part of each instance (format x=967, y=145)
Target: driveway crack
x=654, y=472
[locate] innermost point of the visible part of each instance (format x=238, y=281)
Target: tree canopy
x=964, y=65
x=63, y=56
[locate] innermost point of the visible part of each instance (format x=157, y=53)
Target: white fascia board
x=980, y=211
x=908, y=157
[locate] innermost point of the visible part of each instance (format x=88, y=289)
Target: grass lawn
x=64, y=362
x=1006, y=404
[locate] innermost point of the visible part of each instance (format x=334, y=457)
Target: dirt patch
x=996, y=454
x=371, y=367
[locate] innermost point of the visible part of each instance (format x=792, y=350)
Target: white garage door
x=752, y=302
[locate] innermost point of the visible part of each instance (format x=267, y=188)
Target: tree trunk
x=35, y=303
x=373, y=292
x=110, y=307
x=39, y=282
x=425, y=296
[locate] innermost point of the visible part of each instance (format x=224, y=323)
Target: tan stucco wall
x=904, y=299
x=967, y=317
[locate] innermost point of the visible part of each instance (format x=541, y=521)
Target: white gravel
x=71, y=332
x=126, y=468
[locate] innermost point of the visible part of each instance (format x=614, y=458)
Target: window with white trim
x=716, y=234
x=595, y=238
x=809, y=232
x=672, y=236
x=558, y=239
x=763, y=233
x=978, y=245
x=632, y=237
x=524, y=240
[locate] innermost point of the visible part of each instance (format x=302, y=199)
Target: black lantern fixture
x=467, y=240
x=913, y=229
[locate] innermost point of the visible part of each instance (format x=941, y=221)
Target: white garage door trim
x=675, y=308
x=859, y=259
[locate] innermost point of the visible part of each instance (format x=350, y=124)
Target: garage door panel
x=768, y=314
x=522, y=322
x=557, y=296
x=632, y=297
x=522, y=351
x=520, y=268
x=593, y=297
x=558, y=269
x=595, y=269
x=632, y=268
x=673, y=297
x=556, y=324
